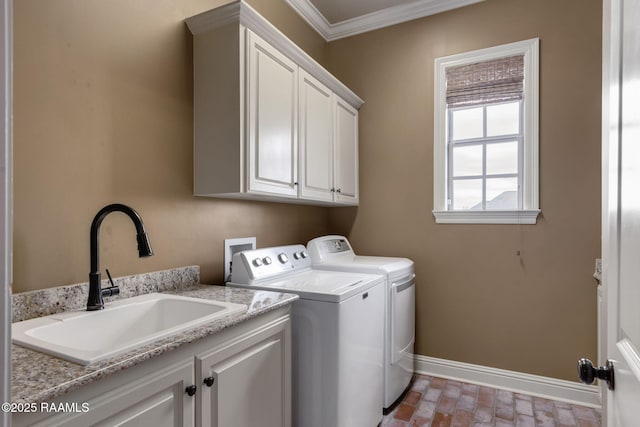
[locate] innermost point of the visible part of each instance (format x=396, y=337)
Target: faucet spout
x=95, y=301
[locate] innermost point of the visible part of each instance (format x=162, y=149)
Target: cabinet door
x=157, y=400
x=272, y=104
x=251, y=383
x=316, y=139
x=346, y=152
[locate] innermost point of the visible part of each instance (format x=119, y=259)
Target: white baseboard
x=535, y=385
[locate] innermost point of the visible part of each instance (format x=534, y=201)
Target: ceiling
x=335, y=19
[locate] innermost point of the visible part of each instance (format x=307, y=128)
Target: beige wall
x=103, y=114
x=478, y=301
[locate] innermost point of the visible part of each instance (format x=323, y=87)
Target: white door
x=316, y=139
x=621, y=207
x=346, y=153
x=273, y=119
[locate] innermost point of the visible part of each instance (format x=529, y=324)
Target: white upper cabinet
x=273, y=120
x=328, y=139
x=270, y=123
x=316, y=139
x=346, y=153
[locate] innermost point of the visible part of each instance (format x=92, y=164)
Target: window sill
x=487, y=217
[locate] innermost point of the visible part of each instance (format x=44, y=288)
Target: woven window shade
x=498, y=80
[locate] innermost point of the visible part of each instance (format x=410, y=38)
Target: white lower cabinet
x=236, y=378
x=154, y=399
x=249, y=383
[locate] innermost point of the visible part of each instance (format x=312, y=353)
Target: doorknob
x=588, y=373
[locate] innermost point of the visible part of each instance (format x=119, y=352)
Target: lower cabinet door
x=249, y=386
x=158, y=400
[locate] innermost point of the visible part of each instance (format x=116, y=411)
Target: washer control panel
x=265, y=263
x=324, y=247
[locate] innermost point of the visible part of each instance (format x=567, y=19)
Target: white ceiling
x=335, y=19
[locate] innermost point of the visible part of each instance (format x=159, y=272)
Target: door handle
x=588, y=373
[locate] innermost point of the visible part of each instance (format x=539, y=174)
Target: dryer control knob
x=304, y=254
x=283, y=258
x=257, y=262
x=296, y=255
x=267, y=260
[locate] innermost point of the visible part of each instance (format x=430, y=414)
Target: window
x=483, y=144
x=486, y=136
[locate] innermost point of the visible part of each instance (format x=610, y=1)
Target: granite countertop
x=38, y=377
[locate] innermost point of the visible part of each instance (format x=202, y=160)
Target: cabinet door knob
x=295, y=183
x=333, y=190
x=191, y=390
x=209, y=381
x=338, y=190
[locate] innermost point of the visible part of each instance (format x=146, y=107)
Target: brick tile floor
x=436, y=402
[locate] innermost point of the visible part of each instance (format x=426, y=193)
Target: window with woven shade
x=485, y=139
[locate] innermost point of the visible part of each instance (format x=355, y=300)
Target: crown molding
x=374, y=20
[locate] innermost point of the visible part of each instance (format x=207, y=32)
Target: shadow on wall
x=342, y=220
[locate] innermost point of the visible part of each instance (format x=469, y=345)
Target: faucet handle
x=111, y=290
x=110, y=278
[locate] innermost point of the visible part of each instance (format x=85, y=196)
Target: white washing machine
x=335, y=253
x=337, y=335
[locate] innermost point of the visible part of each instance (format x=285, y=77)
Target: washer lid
x=392, y=268
x=330, y=286
x=334, y=252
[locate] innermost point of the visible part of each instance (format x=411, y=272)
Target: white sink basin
x=89, y=336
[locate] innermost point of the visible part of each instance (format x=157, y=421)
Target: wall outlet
x=232, y=246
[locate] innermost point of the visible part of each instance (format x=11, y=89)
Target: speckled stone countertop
x=38, y=377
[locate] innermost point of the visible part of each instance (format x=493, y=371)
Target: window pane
x=467, y=124
x=467, y=194
x=467, y=160
x=502, y=193
x=503, y=119
x=502, y=158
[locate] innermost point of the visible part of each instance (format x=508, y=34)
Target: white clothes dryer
x=337, y=335
x=335, y=253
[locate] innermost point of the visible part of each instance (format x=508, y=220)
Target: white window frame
x=530, y=187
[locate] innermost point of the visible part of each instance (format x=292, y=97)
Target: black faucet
x=144, y=249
